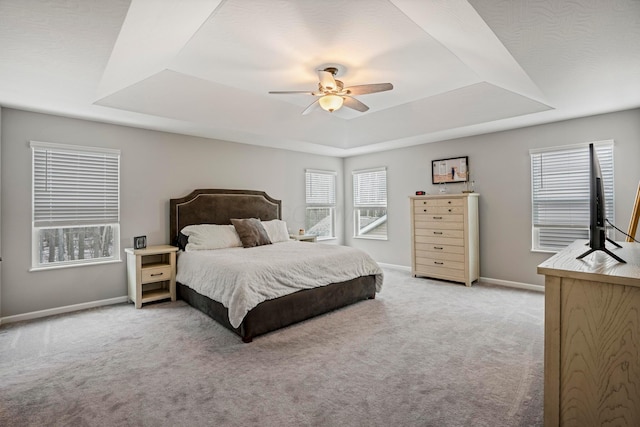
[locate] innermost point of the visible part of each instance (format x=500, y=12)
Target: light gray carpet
x=423, y=353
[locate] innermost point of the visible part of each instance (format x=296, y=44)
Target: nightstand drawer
x=156, y=273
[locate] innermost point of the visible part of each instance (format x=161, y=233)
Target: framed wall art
x=450, y=170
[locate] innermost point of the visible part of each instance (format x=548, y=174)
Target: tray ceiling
x=204, y=68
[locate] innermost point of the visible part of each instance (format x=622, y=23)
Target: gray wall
x=155, y=167
x=500, y=165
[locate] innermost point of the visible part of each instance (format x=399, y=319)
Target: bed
x=219, y=206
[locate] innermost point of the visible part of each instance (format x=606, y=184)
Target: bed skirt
x=286, y=310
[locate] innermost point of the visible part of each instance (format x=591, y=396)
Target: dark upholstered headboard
x=215, y=206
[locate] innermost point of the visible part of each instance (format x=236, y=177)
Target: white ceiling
x=204, y=68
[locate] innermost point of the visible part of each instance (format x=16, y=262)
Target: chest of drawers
x=444, y=237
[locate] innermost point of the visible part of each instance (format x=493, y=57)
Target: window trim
x=535, y=229
x=358, y=206
x=35, y=229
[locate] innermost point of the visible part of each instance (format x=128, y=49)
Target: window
x=560, y=193
x=321, y=203
x=370, y=203
x=76, y=205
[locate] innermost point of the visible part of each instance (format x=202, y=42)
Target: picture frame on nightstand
x=140, y=242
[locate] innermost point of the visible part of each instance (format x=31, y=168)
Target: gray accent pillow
x=251, y=232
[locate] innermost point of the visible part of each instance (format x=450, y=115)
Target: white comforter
x=241, y=278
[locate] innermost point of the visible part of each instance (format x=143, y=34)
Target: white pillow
x=276, y=230
x=211, y=236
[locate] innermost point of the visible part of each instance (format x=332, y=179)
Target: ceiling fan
x=332, y=95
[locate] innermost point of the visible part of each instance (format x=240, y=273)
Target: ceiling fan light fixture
x=331, y=102
x=333, y=95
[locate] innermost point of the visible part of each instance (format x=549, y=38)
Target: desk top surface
x=597, y=266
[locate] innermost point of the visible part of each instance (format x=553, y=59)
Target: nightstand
x=304, y=237
x=151, y=273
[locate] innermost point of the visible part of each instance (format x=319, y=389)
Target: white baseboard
x=510, y=284
x=60, y=310
x=499, y=282
x=118, y=300
x=395, y=266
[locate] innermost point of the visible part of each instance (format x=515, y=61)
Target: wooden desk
x=592, y=338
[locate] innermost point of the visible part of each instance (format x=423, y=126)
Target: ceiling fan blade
x=280, y=92
x=370, y=88
x=326, y=80
x=354, y=104
x=312, y=107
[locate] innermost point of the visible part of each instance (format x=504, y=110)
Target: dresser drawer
x=440, y=240
x=439, y=210
x=156, y=273
x=435, y=247
x=440, y=256
x=437, y=225
x=458, y=234
x=440, y=263
x=438, y=217
x=438, y=202
x=440, y=272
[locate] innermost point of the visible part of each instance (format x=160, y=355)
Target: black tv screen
x=597, y=209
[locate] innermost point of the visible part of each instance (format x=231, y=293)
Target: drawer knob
x=438, y=247
x=450, y=210
x=425, y=210
x=437, y=232
x=424, y=203
x=438, y=262
x=156, y=274
x=449, y=202
x=437, y=217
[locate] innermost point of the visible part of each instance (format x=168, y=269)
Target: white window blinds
x=370, y=187
x=320, y=187
x=560, y=193
x=74, y=185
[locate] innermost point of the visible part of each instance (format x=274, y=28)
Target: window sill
x=371, y=238
x=82, y=264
